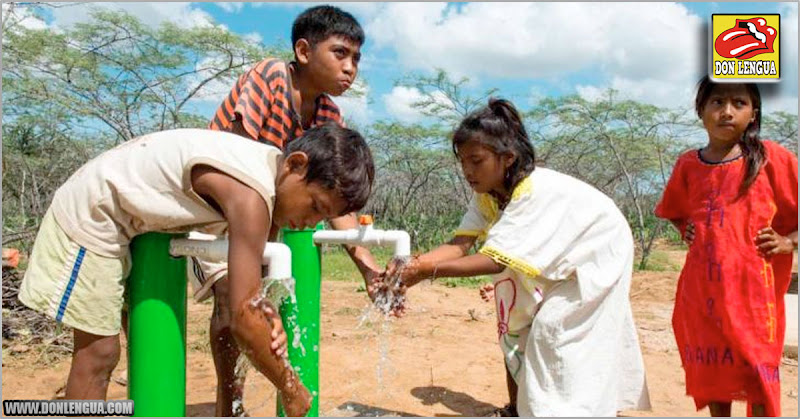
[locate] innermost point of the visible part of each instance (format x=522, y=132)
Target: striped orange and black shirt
x=261, y=100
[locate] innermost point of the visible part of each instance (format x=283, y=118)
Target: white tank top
x=145, y=185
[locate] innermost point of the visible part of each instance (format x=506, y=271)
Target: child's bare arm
x=248, y=228
x=454, y=249
x=457, y=247
x=472, y=265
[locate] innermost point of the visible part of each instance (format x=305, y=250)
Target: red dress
x=729, y=319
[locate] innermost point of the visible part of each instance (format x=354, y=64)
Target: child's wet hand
x=688, y=236
x=391, y=269
x=770, y=242
x=399, y=310
x=487, y=292
x=279, y=343
x=413, y=272
x=295, y=399
x=374, y=283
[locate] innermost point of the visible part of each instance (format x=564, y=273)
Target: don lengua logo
x=745, y=47
x=747, y=38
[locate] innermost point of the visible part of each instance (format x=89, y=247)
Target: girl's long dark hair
x=750, y=143
x=499, y=127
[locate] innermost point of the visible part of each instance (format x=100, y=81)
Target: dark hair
x=498, y=126
x=319, y=23
x=750, y=143
x=339, y=160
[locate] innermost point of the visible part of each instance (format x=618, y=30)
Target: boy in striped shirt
x=274, y=103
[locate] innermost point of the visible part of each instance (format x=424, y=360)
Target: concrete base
x=790, y=343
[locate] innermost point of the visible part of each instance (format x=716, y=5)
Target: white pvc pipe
x=277, y=256
x=366, y=235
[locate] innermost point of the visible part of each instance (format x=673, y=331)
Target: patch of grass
x=471, y=282
x=337, y=265
x=659, y=261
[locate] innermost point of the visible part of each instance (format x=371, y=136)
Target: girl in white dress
x=561, y=256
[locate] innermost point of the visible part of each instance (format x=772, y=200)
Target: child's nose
x=727, y=109
x=349, y=66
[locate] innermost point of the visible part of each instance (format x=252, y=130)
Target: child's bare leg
x=758, y=410
x=93, y=359
x=512, y=390
x=225, y=352
x=720, y=409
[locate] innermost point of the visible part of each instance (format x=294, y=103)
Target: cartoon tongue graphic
x=746, y=39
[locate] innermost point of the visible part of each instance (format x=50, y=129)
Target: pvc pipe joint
x=366, y=235
x=277, y=256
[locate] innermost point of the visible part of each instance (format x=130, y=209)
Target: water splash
x=380, y=314
x=389, y=298
x=278, y=290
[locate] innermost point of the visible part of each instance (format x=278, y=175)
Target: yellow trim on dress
x=470, y=233
x=489, y=207
x=512, y=262
x=524, y=188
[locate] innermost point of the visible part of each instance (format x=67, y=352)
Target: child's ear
x=508, y=159
x=302, y=49
x=297, y=163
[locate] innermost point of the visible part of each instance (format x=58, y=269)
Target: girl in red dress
x=735, y=204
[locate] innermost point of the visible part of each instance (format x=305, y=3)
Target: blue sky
x=650, y=52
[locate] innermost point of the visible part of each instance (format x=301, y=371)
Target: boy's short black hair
x=339, y=160
x=318, y=23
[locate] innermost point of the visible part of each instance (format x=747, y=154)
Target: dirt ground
x=441, y=359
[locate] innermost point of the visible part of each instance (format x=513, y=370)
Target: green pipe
x=301, y=317
x=156, y=328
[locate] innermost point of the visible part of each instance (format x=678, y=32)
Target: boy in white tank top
x=178, y=181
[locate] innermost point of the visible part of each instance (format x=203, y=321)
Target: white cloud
x=355, y=108
x=150, y=13
x=533, y=40
x=212, y=92
x=230, y=7
x=360, y=10
x=399, y=103
x=18, y=16
x=670, y=94
x=253, y=37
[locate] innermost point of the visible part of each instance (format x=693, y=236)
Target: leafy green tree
x=71, y=93
x=781, y=127
x=622, y=147
x=118, y=75
x=419, y=186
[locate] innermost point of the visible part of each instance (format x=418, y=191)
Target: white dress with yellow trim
x=565, y=324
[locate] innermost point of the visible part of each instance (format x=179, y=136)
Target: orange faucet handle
x=365, y=219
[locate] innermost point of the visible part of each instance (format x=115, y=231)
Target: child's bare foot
x=487, y=292
x=508, y=410
x=295, y=399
